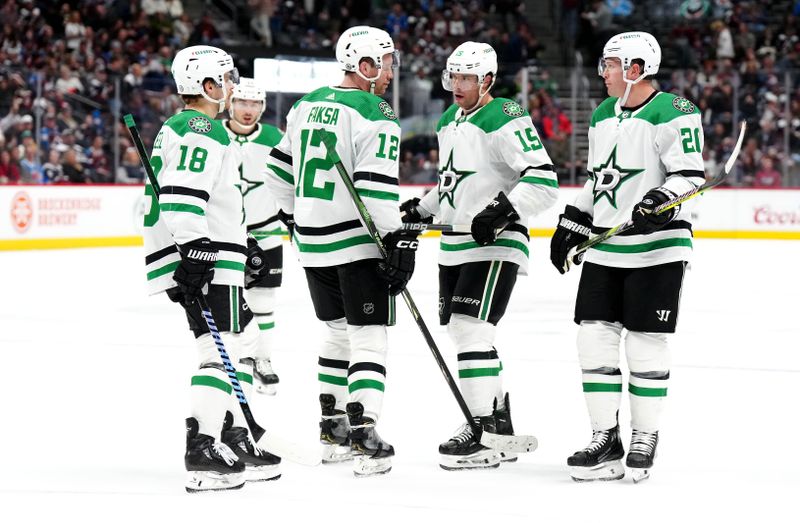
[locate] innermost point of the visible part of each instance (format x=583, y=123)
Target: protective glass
x=451, y=80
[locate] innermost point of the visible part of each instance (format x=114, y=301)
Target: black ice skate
x=373, y=456
x=641, y=454
x=264, y=377
x=502, y=420
x=211, y=466
x=334, y=432
x=260, y=465
x=463, y=451
x=601, y=459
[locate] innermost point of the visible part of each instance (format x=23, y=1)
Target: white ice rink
x=94, y=394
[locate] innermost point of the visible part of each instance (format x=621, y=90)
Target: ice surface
x=94, y=393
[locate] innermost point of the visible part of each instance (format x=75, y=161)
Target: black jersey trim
x=546, y=167
x=513, y=227
x=366, y=366
x=281, y=156
x=271, y=219
x=233, y=247
x=374, y=177
x=636, y=108
x=671, y=226
x=328, y=229
x=162, y=253
x=686, y=173
x=184, y=191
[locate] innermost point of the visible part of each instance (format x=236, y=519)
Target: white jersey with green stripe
x=200, y=197
x=493, y=149
x=305, y=182
x=632, y=150
x=260, y=208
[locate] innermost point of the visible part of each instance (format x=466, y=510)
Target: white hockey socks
x=479, y=366
x=649, y=362
x=598, y=354
x=262, y=302
x=210, y=388
x=334, y=360
x=366, y=375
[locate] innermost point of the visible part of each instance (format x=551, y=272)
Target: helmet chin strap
x=630, y=83
x=220, y=102
x=370, y=80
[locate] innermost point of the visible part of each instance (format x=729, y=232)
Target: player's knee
x=261, y=299
x=367, y=337
x=598, y=344
x=207, y=352
x=647, y=352
x=466, y=331
x=248, y=341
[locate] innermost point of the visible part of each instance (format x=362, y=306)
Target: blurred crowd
x=94, y=60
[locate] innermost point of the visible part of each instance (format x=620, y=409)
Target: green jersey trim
x=269, y=136
x=192, y=121
x=182, y=207
x=644, y=247
x=283, y=175
x=448, y=116
x=604, y=111
x=367, y=105
x=333, y=246
x=502, y=242
x=664, y=108
x=381, y=195
x=490, y=117
x=535, y=180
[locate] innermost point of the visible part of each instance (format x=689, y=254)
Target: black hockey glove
x=410, y=212
x=645, y=220
x=574, y=227
x=491, y=221
x=196, y=269
x=288, y=221
x=256, y=268
x=397, y=268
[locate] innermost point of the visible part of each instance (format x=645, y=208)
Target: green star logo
x=247, y=185
x=609, y=176
x=449, y=178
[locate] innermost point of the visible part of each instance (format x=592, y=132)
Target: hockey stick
x=422, y=227
x=495, y=441
x=271, y=443
x=710, y=184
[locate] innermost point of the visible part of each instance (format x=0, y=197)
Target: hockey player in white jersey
x=495, y=174
x=254, y=141
x=351, y=288
x=195, y=242
x=645, y=147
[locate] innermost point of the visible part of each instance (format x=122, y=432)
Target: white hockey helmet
x=363, y=41
x=248, y=89
x=629, y=47
x=471, y=58
x=197, y=63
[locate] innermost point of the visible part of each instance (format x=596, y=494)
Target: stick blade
x=735, y=152
x=503, y=443
x=290, y=451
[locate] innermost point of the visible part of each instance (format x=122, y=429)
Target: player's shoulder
x=194, y=123
x=448, y=116
x=497, y=113
x=268, y=135
x=665, y=107
x=605, y=110
x=369, y=106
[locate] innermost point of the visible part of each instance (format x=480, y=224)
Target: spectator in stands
x=68, y=82
x=99, y=163
x=397, y=20
x=74, y=171
x=9, y=170
x=30, y=168
x=74, y=30
x=52, y=170
x=130, y=171
x=767, y=176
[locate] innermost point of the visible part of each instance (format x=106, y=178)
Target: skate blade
x=332, y=454
x=485, y=459
x=202, y=481
x=508, y=457
x=639, y=475
x=262, y=473
x=363, y=467
x=608, y=471
x=267, y=390
x=504, y=443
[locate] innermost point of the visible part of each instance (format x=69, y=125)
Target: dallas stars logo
x=449, y=178
x=247, y=185
x=608, y=178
